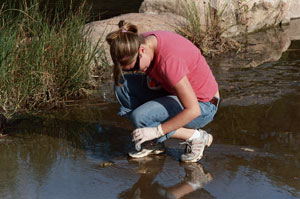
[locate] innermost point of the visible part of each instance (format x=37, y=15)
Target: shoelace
x=188, y=147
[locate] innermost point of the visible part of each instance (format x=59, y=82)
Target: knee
x=138, y=119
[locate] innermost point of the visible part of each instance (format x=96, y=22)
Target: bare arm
x=191, y=110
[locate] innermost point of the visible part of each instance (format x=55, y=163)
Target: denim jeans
x=149, y=108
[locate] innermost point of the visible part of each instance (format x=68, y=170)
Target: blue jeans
x=149, y=108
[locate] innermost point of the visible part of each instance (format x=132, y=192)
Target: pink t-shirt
x=176, y=57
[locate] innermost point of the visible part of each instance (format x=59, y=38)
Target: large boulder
x=294, y=7
x=293, y=30
x=144, y=21
x=235, y=16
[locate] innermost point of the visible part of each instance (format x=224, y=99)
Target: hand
x=142, y=135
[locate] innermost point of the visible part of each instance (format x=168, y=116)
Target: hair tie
x=123, y=29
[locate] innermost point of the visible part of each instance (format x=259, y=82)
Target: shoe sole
x=145, y=153
x=210, y=140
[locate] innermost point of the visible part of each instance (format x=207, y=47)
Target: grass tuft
x=45, y=56
x=206, y=35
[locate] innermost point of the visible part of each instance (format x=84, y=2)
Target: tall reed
x=45, y=56
x=207, y=34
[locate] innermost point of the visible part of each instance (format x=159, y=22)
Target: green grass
x=206, y=35
x=45, y=56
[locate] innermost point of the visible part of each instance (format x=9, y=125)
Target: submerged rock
x=105, y=164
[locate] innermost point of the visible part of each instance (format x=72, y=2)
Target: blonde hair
x=124, y=44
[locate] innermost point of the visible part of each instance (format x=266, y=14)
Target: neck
x=151, y=43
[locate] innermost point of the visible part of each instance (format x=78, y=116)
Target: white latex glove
x=142, y=135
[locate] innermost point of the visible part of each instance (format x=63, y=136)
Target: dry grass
x=207, y=36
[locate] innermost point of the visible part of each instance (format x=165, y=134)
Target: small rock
x=105, y=164
x=247, y=149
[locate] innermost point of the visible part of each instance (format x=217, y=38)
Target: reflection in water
x=251, y=86
x=195, y=179
x=44, y=151
x=255, y=173
x=273, y=127
x=148, y=168
x=147, y=186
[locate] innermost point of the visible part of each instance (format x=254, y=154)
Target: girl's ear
x=142, y=49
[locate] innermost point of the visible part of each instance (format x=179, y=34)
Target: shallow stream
x=81, y=151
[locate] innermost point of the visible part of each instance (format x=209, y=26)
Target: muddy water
x=81, y=152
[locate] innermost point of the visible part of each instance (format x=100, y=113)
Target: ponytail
x=124, y=44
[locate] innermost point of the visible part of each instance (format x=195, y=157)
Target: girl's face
x=135, y=66
x=142, y=62
x=145, y=61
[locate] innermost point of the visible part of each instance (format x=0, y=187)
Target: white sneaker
x=148, y=148
x=194, y=149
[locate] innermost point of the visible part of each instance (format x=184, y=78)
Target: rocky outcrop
x=293, y=11
x=167, y=14
x=262, y=47
x=236, y=16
